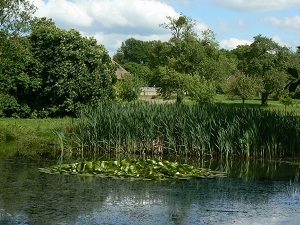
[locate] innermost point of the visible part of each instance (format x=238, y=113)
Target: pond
x=253, y=193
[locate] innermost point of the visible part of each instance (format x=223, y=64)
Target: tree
x=266, y=60
x=140, y=71
x=244, y=86
x=293, y=71
x=58, y=71
x=133, y=55
x=181, y=28
x=180, y=62
x=172, y=82
x=201, y=90
x=192, y=56
x=74, y=70
x=133, y=50
x=15, y=17
x=129, y=88
x=15, y=82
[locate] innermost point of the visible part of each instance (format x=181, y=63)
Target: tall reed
x=200, y=130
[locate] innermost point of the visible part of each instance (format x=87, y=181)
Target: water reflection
x=30, y=197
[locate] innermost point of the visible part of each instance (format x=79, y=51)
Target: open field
x=235, y=101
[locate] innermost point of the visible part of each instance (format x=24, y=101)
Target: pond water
x=254, y=193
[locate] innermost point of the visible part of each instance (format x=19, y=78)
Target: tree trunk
x=264, y=99
x=179, y=97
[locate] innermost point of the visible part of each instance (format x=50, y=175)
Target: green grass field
x=256, y=103
x=251, y=103
x=29, y=137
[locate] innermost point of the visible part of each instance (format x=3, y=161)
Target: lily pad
x=150, y=169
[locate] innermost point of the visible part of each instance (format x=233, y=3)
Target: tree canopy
x=62, y=71
x=15, y=17
x=267, y=60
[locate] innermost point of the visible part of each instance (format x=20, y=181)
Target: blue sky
x=234, y=22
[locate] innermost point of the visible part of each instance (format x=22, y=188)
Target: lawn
x=235, y=101
x=27, y=137
x=256, y=103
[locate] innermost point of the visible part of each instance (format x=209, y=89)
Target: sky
x=235, y=22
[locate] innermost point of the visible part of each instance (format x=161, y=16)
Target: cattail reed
x=200, y=130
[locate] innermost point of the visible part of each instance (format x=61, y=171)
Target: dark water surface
x=254, y=193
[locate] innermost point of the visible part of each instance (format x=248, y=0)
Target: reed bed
x=172, y=129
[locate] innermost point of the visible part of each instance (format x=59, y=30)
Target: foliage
x=149, y=169
x=266, y=60
x=244, y=86
x=140, y=71
x=181, y=28
x=286, y=100
x=294, y=79
x=197, y=130
x=9, y=107
x=133, y=55
x=129, y=88
x=15, y=17
x=172, y=82
x=189, y=55
x=201, y=90
x=54, y=72
x=16, y=83
x=133, y=50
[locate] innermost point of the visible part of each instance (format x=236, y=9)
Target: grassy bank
x=30, y=137
x=186, y=129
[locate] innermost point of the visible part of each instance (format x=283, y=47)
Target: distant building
x=149, y=91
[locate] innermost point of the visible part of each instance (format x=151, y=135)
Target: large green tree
x=15, y=17
x=133, y=50
x=15, y=82
x=293, y=85
x=74, y=70
x=267, y=60
x=133, y=55
x=194, y=58
x=59, y=72
x=244, y=86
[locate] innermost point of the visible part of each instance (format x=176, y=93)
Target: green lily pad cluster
x=150, y=169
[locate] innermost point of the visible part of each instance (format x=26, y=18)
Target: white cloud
x=232, y=43
x=281, y=42
x=200, y=27
x=290, y=44
x=103, y=15
x=258, y=5
x=287, y=23
x=65, y=12
x=112, y=21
